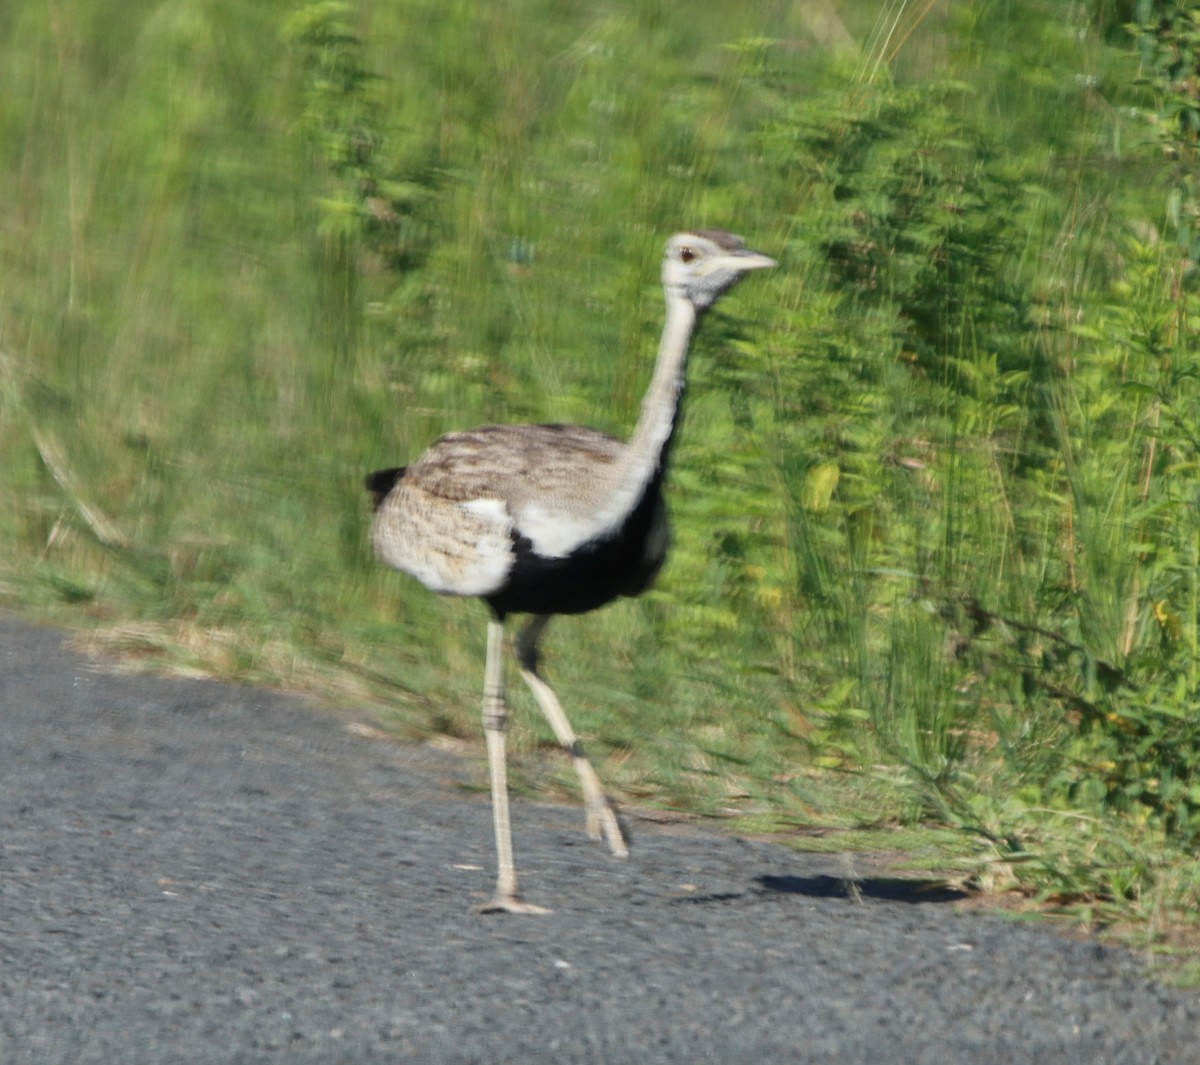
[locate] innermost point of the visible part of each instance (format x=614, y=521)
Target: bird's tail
x=381, y=482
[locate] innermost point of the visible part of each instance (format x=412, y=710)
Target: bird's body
x=472, y=517
x=552, y=519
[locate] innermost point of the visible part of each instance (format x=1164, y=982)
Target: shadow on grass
x=883, y=888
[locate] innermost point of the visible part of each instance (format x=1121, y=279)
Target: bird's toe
x=511, y=904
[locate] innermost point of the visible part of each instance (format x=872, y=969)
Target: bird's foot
x=510, y=904
x=602, y=824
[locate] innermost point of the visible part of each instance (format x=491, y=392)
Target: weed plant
x=937, y=551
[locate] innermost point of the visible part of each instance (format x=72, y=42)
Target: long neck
x=646, y=453
x=647, y=450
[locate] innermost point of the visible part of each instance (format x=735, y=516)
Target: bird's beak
x=740, y=262
x=751, y=260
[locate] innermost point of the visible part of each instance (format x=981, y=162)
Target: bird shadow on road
x=881, y=888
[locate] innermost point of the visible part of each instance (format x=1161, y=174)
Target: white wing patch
x=491, y=510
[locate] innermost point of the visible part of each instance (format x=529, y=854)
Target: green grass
x=937, y=559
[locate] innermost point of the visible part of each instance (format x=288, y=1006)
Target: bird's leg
x=601, y=821
x=495, y=721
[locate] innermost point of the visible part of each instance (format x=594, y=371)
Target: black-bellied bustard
x=553, y=519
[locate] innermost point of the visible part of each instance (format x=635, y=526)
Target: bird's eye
x=686, y=255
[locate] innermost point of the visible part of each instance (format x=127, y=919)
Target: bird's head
x=701, y=266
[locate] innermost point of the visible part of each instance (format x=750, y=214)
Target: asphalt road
x=191, y=872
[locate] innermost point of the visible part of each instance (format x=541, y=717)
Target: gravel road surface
x=192, y=872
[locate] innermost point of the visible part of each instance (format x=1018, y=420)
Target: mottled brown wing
x=516, y=464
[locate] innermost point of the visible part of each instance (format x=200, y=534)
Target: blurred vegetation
x=937, y=527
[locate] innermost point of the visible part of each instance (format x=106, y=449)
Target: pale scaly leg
x=495, y=720
x=601, y=821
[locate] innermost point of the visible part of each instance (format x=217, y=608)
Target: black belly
x=624, y=564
